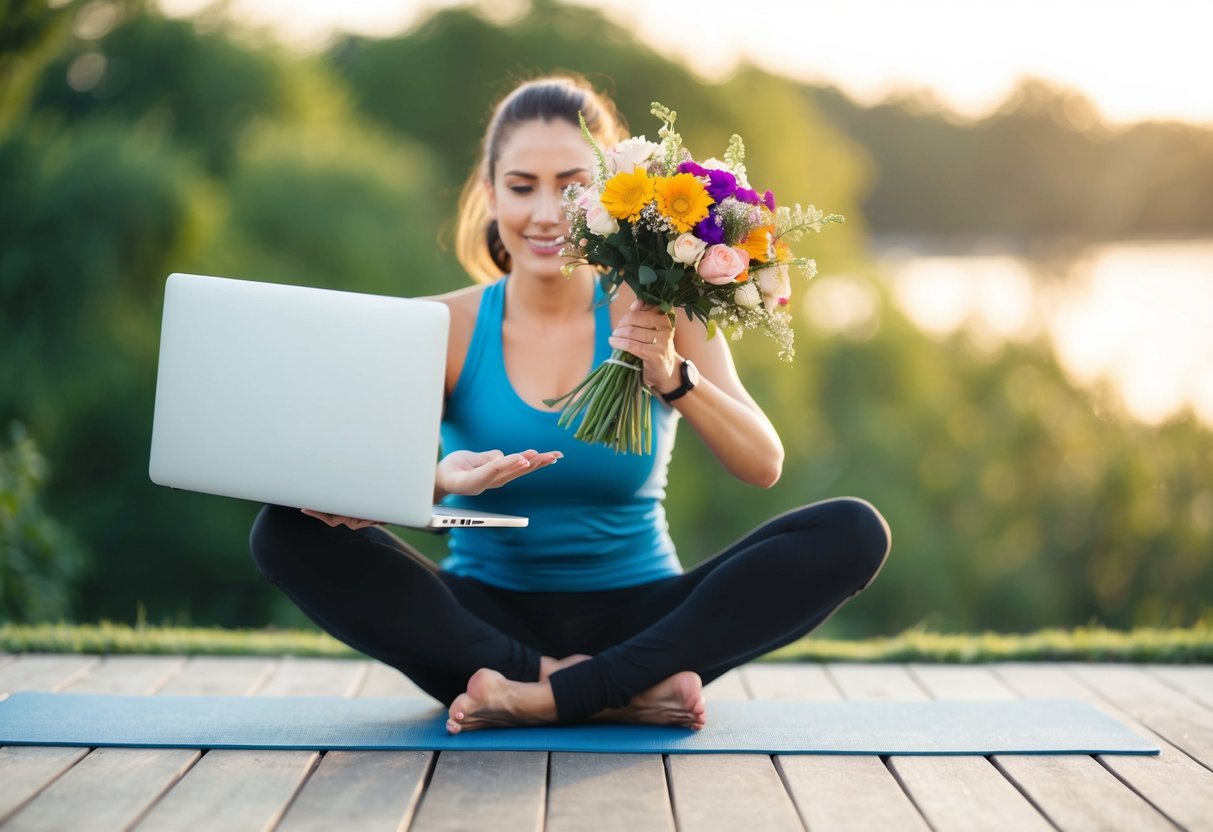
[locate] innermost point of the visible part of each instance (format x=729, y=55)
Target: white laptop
x=310, y=398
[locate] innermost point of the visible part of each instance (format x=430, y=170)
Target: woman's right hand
x=470, y=472
x=340, y=520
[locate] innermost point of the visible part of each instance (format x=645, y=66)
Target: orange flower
x=758, y=243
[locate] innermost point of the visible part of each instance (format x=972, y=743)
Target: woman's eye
x=521, y=189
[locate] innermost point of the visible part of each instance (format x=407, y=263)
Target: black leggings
x=380, y=596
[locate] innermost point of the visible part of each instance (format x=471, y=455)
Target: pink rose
x=721, y=264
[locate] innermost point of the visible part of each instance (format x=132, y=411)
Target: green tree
x=38, y=556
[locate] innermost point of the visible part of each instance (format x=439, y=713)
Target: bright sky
x=1135, y=59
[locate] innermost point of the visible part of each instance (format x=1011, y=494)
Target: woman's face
x=538, y=160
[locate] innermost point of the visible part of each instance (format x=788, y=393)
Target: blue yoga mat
x=1024, y=726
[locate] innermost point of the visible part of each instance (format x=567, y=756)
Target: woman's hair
x=477, y=242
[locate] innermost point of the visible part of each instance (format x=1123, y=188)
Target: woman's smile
x=546, y=245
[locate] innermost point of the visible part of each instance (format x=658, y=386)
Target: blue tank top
x=596, y=517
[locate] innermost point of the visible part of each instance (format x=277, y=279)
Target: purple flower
x=721, y=183
x=768, y=199
x=747, y=196
x=710, y=229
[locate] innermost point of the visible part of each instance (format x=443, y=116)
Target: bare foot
x=493, y=701
x=676, y=700
x=548, y=665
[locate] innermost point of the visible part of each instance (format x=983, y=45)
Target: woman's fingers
x=515, y=465
x=340, y=520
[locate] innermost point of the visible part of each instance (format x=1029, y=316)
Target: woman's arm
x=720, y=409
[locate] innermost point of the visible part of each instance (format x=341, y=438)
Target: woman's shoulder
x=464, y=305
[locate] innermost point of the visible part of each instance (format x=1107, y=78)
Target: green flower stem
x=614, y=402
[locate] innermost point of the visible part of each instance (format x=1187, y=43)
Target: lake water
x=1139, y=313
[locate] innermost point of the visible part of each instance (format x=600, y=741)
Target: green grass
x=1191, y=644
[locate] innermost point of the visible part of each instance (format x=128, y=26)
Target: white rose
x=775, y=285
x=747, y=295
x=629, y=154
x=686, y=248
x=598, y=220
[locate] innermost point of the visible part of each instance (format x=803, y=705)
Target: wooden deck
x=181, y=789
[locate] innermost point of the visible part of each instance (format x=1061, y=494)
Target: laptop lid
x=299, y=396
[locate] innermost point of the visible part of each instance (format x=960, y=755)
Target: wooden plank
x=108, y=790
x=1076, y=792
x=1194, y=682
x=316, y=677
x=1135, y=691
x=802, y=682
x=383, y=681
x=713, y=792
x=832, y=791
x=251, y=789
x=608, y=793
x=1072, y=790
x=220, y=676
x=843, y=792
x=1172, y=782
x=27, y=770
x=30, y=769
x=232, y=789
x=498, y=790
x=874, y=681
x=960, y=681
x=365, y=789
x=1195, y=738
x=729, y=686
x=965, y=793
x=128, y=675
x=351, y=790
x=1183, y=722
x=110, y=787
x=44, y=672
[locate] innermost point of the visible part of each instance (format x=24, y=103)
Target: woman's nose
x=549, y=208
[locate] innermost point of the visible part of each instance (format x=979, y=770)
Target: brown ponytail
x=477, y=242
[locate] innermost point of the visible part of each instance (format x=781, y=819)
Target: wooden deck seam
x=887, y=761
x=168, y=788
x=1163, y=680
x=1127, y=784
x=669, y=789
x=1023, y=791
x=276, y=820
x=20, y=807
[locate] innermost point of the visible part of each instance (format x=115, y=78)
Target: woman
x=585, y=614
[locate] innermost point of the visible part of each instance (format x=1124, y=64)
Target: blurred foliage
x=1043, y=163
x=143, y=145
x=38, y=557
x=1095, y=644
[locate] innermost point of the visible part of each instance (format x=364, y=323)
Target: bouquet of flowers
x=684, y=234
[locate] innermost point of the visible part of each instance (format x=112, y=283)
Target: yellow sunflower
x=625, y=194
x=682, y=199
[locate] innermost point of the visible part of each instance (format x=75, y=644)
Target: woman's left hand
x=647, y=333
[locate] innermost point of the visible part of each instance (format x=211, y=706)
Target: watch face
x=691, y=372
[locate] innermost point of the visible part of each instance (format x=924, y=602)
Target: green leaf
x=647, y=276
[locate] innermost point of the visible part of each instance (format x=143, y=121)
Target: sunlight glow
x=1139, y=314
x=1135, y=59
